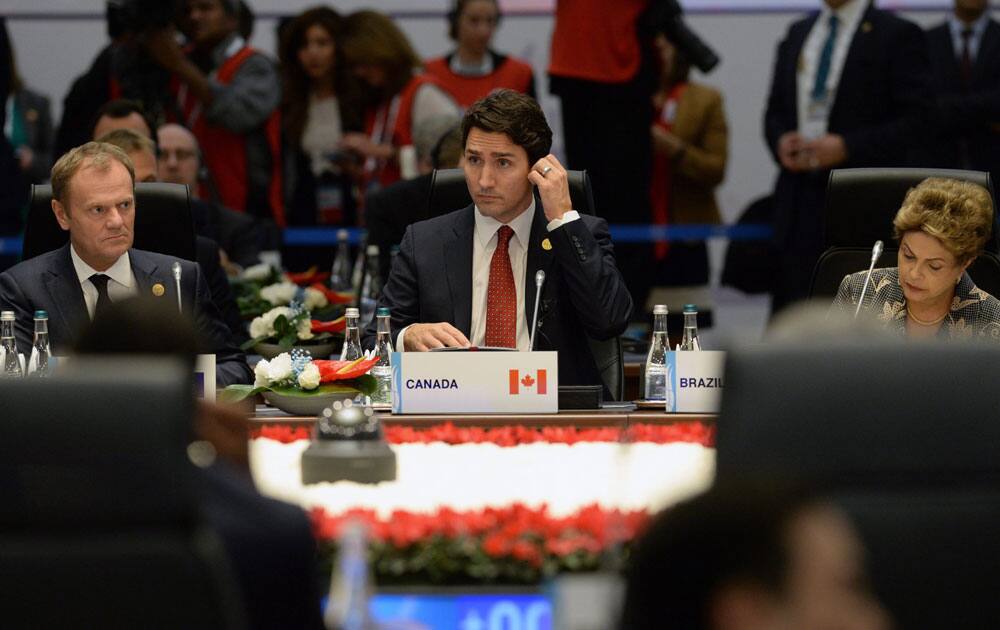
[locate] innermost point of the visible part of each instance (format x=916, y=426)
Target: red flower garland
x=307, y=277
x=333, y=326
x=333, y=297
x=690, y=432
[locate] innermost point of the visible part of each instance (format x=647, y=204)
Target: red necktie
x=501, y=296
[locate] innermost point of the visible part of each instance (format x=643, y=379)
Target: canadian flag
x=538, y=382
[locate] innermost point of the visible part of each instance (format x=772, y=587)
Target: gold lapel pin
x=866, y=27
x=158, y=290
x=546, y=244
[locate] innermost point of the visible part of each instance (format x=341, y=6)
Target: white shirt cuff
x=572, y=215
x=399, y=340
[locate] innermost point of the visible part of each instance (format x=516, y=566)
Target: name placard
x=204, y=377
x=694, y=381
x=475, y=382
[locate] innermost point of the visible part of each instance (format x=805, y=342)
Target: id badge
x=329, y=202
x=817, y=119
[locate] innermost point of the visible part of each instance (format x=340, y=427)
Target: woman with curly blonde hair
x=942, y=226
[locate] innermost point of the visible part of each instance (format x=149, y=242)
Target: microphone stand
x=539, y=280
x=876, y=252
x=176, y=268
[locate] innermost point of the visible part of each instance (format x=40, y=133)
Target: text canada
x=431, y=383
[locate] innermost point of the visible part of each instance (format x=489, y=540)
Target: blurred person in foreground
x=93, y=198
x=467, y=277
x=942, y=226
x=398, y=99
x=474, y=69
x=268, y=542
x=319, y=104
x=690, y=149
x=749, y=557
x=208, y=255
x=238, y=235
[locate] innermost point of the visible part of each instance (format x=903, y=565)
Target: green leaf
x=326, y=388
x=366, y=384
x=236, y=393
x=281, y=326
x=288, y=340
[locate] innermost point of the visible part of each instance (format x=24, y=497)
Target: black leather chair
x=99, y=522
x=449, y=192
x=163, y=221
x=861, y=202
x=837, y=262
x=904, y=437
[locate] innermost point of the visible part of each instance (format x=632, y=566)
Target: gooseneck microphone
x=876, y=252
x=539, y=281
x=176, y=268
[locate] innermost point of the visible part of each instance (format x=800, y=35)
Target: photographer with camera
x=227, y=94
x=604, y=69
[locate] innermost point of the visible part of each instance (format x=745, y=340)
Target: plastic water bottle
x=340, y=273
x=382, y=371
x=690, y=340
x=38, y=365
x=350, y=583
x=371, y=286
x=656, y=360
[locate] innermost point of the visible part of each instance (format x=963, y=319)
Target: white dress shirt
x=121, y=285
x=956, y=26
x=812, y=121
x=484, y=243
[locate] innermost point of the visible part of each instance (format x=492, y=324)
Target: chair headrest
x=102, y=443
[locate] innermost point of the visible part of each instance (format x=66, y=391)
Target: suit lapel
x=858, y=51
x=66, y=294
x=942, y=48
x=538, y=258
x=456, y=251
x=987, y=51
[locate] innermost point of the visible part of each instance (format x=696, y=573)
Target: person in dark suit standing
x=93, y=198
x=849, y=90
x=466, y=278
x=965, y=61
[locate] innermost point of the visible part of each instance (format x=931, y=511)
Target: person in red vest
x=398, y=97
x=228, y=94
x=473, y=69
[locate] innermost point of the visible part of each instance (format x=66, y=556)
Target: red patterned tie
x=501, y=296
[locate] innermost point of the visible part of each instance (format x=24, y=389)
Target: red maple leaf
x=527, y=381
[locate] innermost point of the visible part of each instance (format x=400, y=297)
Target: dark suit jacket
x=583, y=295
x=390, y=210
x=879, y=109
x=207, y=257
x=48, y=282
x=962, y=137
x=237, y=233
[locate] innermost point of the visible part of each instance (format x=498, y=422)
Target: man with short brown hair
x=93, y=198
x=467, y=278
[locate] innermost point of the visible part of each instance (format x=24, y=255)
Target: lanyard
x=382, y=131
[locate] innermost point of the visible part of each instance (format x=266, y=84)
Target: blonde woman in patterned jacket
x=942, y=227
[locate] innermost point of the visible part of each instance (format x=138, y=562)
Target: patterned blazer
x=975, y=314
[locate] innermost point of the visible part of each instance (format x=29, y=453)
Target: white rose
x=281, y=293
x=309, y=377
x=256, y=272
x=280, y=368
x=304, y=328
x=261, y=327
x=314, y=299
x=260, y=374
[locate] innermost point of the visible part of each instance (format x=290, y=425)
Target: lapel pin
x=158, y=290
x=546, y=244
x=866, y=27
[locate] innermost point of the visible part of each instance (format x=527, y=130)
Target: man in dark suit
x=849, y=90
x=466, y=278
x=93, y=198
x=965, y=63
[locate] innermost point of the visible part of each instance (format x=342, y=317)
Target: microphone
x=539, y=281
x=876, y=252
x=176, y=268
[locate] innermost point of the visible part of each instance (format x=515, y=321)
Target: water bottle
x=690, y=340
x=352, y=337
x=371, y=286
x=656, y=360
x=38, y=365
x=340, y=274
x=382, y=371
x=357, y=273
x=350, y=582
x=8, y=345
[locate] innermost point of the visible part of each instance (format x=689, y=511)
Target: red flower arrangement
x=335, y=326
x=330, y=371
x=308, y=277
x=691, y=432
x=515, y=544
x=333, y=297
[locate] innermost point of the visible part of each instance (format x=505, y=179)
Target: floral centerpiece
x=284, y=327
x=261, y=288
x=303, y=384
